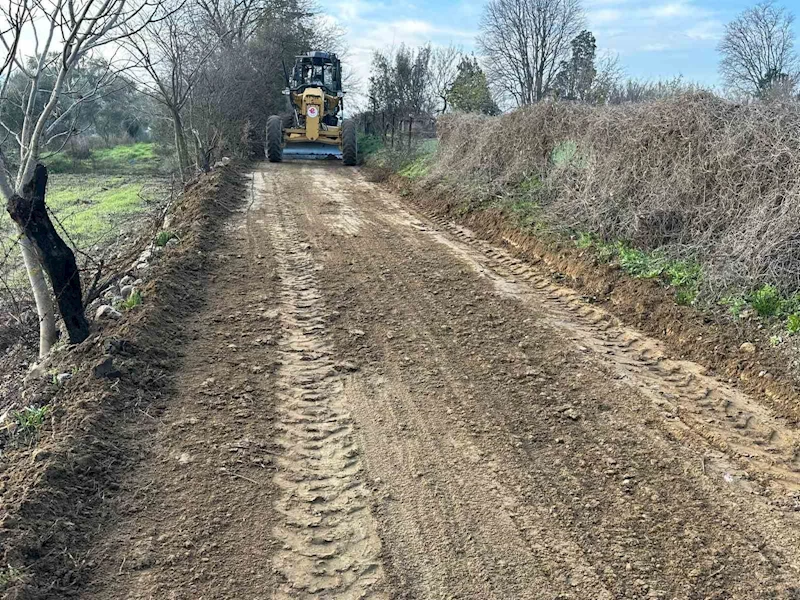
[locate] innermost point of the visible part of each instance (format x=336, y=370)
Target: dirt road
x=376, y=405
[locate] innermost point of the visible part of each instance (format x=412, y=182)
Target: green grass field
x=95, y=200
x=94, y=208
x=140, y=158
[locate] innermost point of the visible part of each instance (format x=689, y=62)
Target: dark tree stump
x=30, y=213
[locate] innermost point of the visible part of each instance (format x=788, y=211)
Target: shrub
x=766, y=301
x=78, y=148
x=793, y=323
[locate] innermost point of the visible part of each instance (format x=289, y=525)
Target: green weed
x=791, y=305
x=30, y=419
x=735, y=305
x=584, y=240
x=684, y=274
x=766, y=301
x=134, y=300
x=639, y=263
x=793, y=323
x=686, y=296
x=525, y=212
x=417, y=169
x=606, y=252
x=163, y=237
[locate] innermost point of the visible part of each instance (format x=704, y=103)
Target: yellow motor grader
x=314, y=128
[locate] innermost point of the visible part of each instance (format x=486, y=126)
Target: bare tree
x=170, y=54
x=524, y=41
x=64, y=32
x=608, y=76
x=444, y=70
x=758, y=51
x=232, y=21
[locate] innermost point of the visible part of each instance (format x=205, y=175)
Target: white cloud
x=705, y=30
x=674, y=9
x=680, y=9
x=369, y=30
x=604, y=16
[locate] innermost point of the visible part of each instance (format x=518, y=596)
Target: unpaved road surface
x=377, y=405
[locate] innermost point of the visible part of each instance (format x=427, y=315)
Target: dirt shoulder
x=58, y=488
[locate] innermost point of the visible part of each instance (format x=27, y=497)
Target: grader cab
x=313, y=127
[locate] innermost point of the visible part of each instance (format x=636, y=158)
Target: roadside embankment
x=61, y=463
x=680, y=215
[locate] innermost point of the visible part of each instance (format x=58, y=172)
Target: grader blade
x=311, y=151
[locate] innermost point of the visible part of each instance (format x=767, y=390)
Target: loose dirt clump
x=59, y=487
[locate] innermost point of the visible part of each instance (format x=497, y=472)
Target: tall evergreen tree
x=470, y=91
x=576, y=75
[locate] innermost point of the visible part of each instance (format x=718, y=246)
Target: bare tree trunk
x=41, y=294
x=180, y=143
x=43, y=243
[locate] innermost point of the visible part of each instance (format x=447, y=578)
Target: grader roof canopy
x=318, y=69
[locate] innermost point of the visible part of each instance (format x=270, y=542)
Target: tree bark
x=41, y=295
x=29, y=212
x=180, y=143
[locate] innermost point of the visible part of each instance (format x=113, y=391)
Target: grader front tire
x=349, y=143
x=275, y=139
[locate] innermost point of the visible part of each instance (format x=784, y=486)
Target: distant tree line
x=415, y=83
x=535, y=50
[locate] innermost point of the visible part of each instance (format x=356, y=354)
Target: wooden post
x=29, y=211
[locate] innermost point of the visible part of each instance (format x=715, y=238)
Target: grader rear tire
x=349, y=143
x=275, y=139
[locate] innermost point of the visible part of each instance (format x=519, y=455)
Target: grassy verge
x=92, y=213
x=412, y=162
x=96, y=207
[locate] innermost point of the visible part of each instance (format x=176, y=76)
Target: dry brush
x=694, y=176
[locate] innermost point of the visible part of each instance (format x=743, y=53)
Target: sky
x=653, y=39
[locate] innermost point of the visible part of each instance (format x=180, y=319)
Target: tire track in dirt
x=743, y=432
x=464, y=532
x=696, y=403
x=464, y=438
x=331, y=547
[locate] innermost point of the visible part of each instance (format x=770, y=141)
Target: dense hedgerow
x=694, y=177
